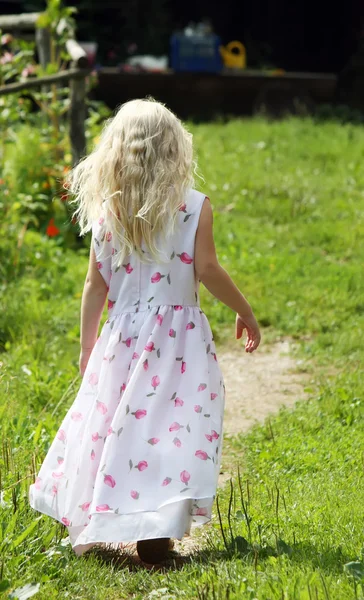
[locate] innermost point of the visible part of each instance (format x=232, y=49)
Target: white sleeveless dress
x=137, y=455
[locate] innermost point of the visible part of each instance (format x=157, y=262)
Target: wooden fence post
x=77, y=116
x=77, y=113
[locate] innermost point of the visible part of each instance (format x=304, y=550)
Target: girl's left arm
x=93, y=301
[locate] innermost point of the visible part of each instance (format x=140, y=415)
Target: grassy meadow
x=288, y=200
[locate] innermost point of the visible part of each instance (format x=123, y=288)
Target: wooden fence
x=76, y=75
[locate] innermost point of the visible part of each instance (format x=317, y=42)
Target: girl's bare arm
x=219, y=282
x=93, y=301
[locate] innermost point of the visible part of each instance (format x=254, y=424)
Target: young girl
x=137, y=456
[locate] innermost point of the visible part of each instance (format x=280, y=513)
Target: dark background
x=294, y=35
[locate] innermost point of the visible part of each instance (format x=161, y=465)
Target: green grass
x=289, y=223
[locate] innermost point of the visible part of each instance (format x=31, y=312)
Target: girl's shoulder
x=194, y=200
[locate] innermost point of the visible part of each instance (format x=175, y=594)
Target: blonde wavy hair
x=136, y=178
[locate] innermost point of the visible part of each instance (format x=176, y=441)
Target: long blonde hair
x=136, y=177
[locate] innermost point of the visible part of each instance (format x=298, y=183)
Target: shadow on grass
x=129, y=559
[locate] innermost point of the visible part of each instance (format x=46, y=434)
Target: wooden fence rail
x=76, y=75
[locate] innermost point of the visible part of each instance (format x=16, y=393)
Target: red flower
x=142, y=465
x=110, y=304
x=183, y=367
x=178, y=402
x=185, y=258
x=166, y=481
x=172, y=333
x=149, y=347
x=201, y=454
x=155, y=382
x=159, y=319
x=128, y=268
x=183, y=208
x=140, y=413
x=185, y=477
x=156, y=277
x=108, y=236
x=52, y=230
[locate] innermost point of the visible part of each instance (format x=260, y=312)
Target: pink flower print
x=208, y=437
x=128, y=268
x=185, y=477
x=109, y=480
x=183, y=367
x=140, y=413
x=54, y=490
x=101, y=407
x=61, y=435
x=135, y=356
x=201, y=454
x=166, y=481
x=142, y=465
x=95, y=437
x=201, y=387
x=197, y=408
x=215, y=435
x=110, y=304
x=93, y=379
x=185, y=258
x=76, y=416
x=99, y=265
x=123, y=388
x=37, y=483
x=134, y=494
x=177, y=442
x=145, y=365
x=128, y=342
x=93, y=454
x=178, y=402
x=156, y=277
x=183, y=208
x=213, y=396
x=155, y=382
x=101, y=220
x=66, y=521
x=201, y=512
x=149, y=347
x=175, y=426
x=108, y=236
x=159, y=319
x=110, y=431
x=214, y=355
x=153, y=441
x=178, y=307
x=85, y=506
x=102, y=508
x=172, y=333
x=56, y=475
x=60, y=459
x=113, y=251
x=190, y=325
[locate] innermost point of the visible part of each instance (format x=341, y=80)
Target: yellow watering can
x=233, y=59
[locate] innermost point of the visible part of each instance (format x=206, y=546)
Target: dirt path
x=258, y=384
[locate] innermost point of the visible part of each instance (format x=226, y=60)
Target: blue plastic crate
x=197, y=53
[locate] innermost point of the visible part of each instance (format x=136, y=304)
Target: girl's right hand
x=249, y=323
